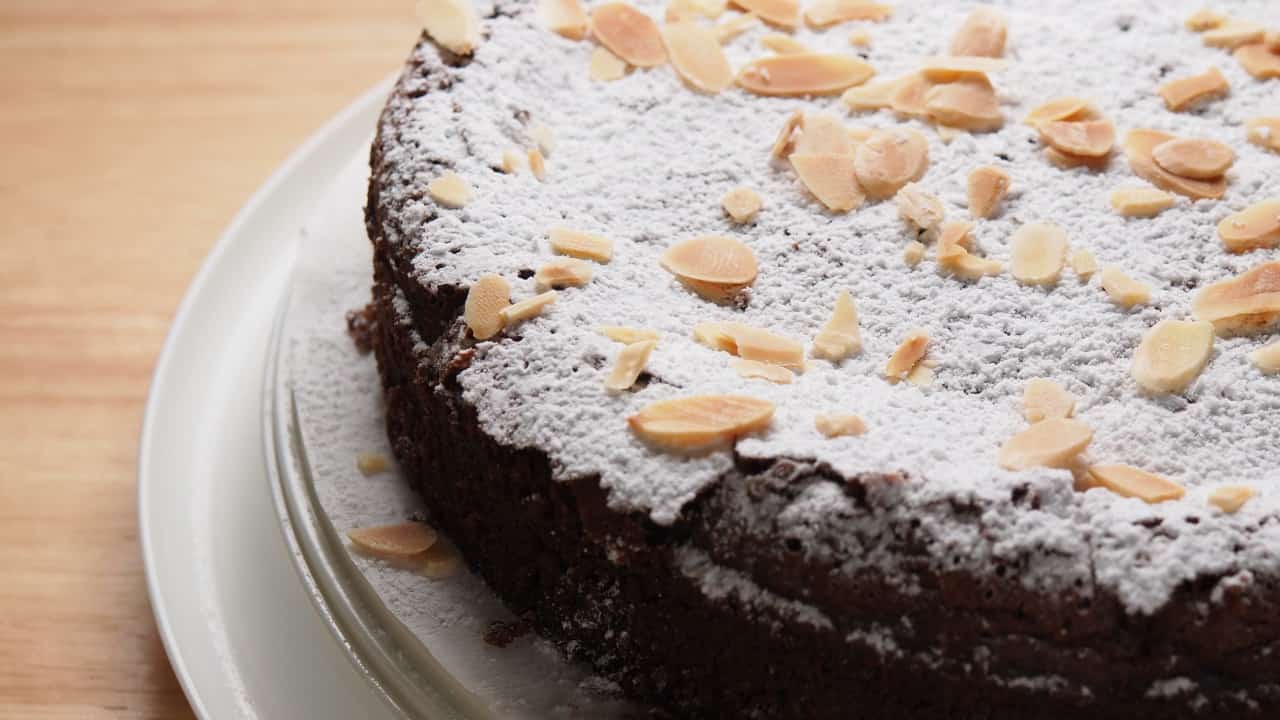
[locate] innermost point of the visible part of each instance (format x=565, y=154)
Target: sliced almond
x=697, y=56
x=629, y=34
x=946, y=133
x=785, y=142
x=921, y=209
x=987, y=187
x=714, y=260
x=840, y=425
x=1267, y=359
x=968, y=104
x=742, y=204
x=1264, y=132
x=1084, y=264
x=545, y=138
x=1234, y=33
x=1256, y=227
x=1053, y=443
x=605, y=66
x=783, y=44
x=564, y=17
x=527, y=308
x=871, y=96
x=751, y=343
x=512, y=161
x=950, y=68
x=890, y=159
x=442, y=561
x=1250, y=301
x=627, y=335
x=783, y=13
x=1039, y=250
x=581, y=245
x=735, y=26
x=1088, y=138
x=860, y=135
x=908, y=95
x=402, y=540
x=701, y=421
x=563, y=273
x=1067, y=161
x=450, y=190
x=629, y=364
x=1063, y=108
x=537, y=164
x=982, y=34
x=1195, y=158
x=453, y=24
x=1272, y=40
x=1141, y=201
x=913, y=254
x=921, y=375
x=831, y=179
x=803, y=74
x=1139, y=146
x=860, y=38
x=840, y=337
x=370, y=464
x=1122, y=289
x=678, y=10
x=756, y=370
x=1172, y=354
x=825, y=13
x=1044, y=399
x=1188, y=92
x=1259, y=60
x=954, y=257
x=1205, y=19
x=908, y=354
x=823, y=134
x=1230, y=498
x=486, y=300
x=1129, y=481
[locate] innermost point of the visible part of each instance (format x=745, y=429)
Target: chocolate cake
x=989, y=483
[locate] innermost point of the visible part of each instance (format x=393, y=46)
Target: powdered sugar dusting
x=645, y=161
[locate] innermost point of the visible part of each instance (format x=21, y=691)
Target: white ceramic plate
x=244, y=637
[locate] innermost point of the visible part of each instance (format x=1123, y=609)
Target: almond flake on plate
x=1052, y=443
x=627, y=335
x=1039, y=251
x=1122, y=289
x=967, y=104
x=701, y=421
x=913, y=253
x=1247, y=302
x=1234, y=33
x=486, y=300
x=890, y=159
x=1267, y=358
x=949, y=68
x=908, y=95
x=402, y=540
x=922, y=209
x=1140, y=145
x=954, y=257
x=840, y=337
x=450, y=190
x=441, y=561
x=860, y=38
x=527, y=308
x=982, y=34
x=783, y=44
x=564, y=17
x=871, y=96
x=825, y=13
x=1172, y=354
x=537, y=164
x=1230, y=498
x=823, y=134
x=987, y=187
x=742, y=204
x=1067, y=161
x=562, y=273
x=784, y=144
x=908, y=354
x=605, y=66
x=803, y=74
x=629, y=34
x=750, y=343
x=831, y=178
x=1131, y=482
x=1205, y=19
x=629, y=364
x=1254, y=228
x=512, y=161
x=1188, y=92
x=1084, y=138
x=1084, y=263
x=1141, y=201
x=697, y=56
x=839, y=425
x=581, y=245
x=783, y=13
x=1063, y=108
x=756, y=370
x=451, y=23
x=1194, y=158
x=1045, y=399
x=369, y=463
x=714, y=260
x=1259, y=60
x=734, y=26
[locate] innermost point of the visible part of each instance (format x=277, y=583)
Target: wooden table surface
x=130, y=133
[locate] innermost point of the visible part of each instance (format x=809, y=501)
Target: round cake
x=846, y=359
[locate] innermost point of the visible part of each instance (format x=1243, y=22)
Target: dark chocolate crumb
x=361, y=327
x=501, y=634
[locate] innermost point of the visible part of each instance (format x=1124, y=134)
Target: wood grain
x=131, y=131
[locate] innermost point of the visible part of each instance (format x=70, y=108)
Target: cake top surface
x=645, y=160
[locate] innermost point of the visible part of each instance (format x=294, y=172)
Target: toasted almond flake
x=1256, y=227
x=562, y=273
x=1205, y=19
x=1067, y=161
x=1129, y=481
x=1139, y=145
x=1247, y=302
x=678, y=10
x=751, y=343
x=370, y=463
x=825, y=13
x=969, y=104
x=697, y=56
x=803, y=74
x=823, y=134
x=983, y=34
x=605, y=66
x=954, y=257
x=1272, y=40
x=564, y=17
x=1122, y=289
x=831, y=179
x=860, y=135
x=908, y=354
x=1230, y=498
x=987, y=187
x=921, y=375
x=1141, y=201
x=1038, y=253
x=1188, y=92
x=450, y=190
x=537, y=164
x=1088, y=138
x=890, y=159
x=950, y=68
x=629, y=34
x=1053, y=443
x=700, y=421
x=451, y=23
x=783, y=13
x=1195, y=158
x=742, y=204
x=955, y=240
x=527, y=308
x=1058, y=109
x=908, y=95
x=401, y=540
x=581, y=245
x=486, y=300
x=839, y=425
x=734, y=26
x=1172, y=354
x=871, y=96
x=1234, y=33
x=629, y=364
x=712, y=259
x=840, y=337
x=627, y=335
x=947, y=133
x=1267, y=359
x=783, y=44
x=922, y=209
x=1264, y=132
x=756, y=370
x=1084, y=264
x=785, y=142
x=913, y=254
x=512, y=161
x=1259, y=60
x=860, y=38
x=441, y=561
x=1045, y=399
